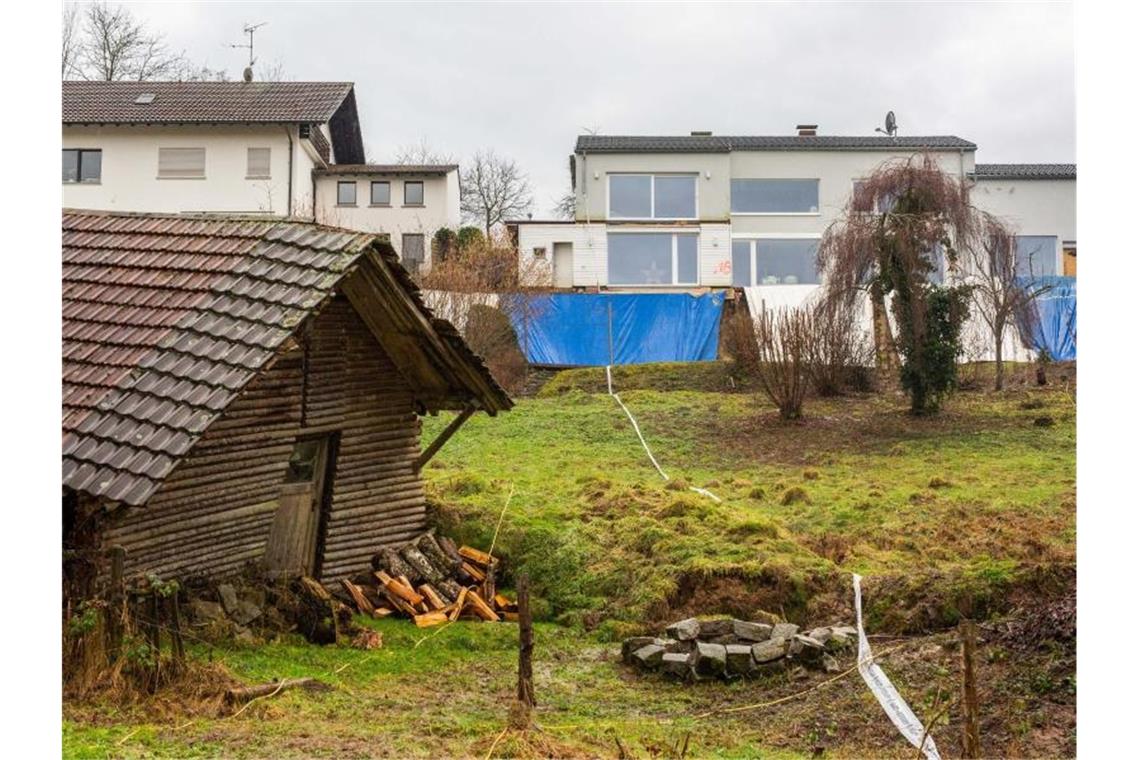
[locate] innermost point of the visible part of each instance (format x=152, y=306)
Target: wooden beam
x=443, y=437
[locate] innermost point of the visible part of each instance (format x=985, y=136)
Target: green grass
x=969, y=501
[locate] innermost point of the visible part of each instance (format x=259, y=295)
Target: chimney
x=806, y=130
x=700, y=133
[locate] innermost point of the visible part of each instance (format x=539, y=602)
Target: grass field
x=971, y=512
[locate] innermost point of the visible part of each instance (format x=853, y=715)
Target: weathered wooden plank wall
x=213, y=513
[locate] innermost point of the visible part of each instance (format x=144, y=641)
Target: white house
x=409, y=202
x=700, y=210
x=287, y=149
x=1039, y=201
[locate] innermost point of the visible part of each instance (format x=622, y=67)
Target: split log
x=503, y=603
x=391, y=561
x=450, y=549
x=423, y=567
x=458, y=606
x=430, y=618
x=433, y=599
x=474, y=555
x=240, y=694
x=474, y=573
x=399, y=588
x=435, y=554
x=480, y=607
x=316, y=612
x=363, y=606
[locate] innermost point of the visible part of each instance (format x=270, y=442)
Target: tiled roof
x=724, y=144
x=1025, y=171
x=202, y=102
x=429, y=169
x=167, y=318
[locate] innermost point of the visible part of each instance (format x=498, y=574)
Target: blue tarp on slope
x=573, y=329
x=1055, y=328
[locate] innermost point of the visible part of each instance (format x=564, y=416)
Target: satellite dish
x=891, y=125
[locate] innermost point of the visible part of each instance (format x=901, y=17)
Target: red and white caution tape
x=893, y=704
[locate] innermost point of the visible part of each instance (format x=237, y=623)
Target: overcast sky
x=526, y=79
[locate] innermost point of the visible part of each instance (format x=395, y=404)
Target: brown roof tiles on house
x=167, y=318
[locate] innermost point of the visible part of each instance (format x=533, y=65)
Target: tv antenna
x=249, y=29
x=891, y=125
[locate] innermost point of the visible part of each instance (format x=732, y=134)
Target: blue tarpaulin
x=1055, y=328
x=574, y=329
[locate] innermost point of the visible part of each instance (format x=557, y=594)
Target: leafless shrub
x=783, y=343
x=738, y=344
x=840, y=351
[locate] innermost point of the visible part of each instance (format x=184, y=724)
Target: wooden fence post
x=524, y=701
x=971, y=742
x=115, y=604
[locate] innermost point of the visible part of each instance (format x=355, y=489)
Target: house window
x=82, y=165
x=653, y=196
x=774, y=261
x=866, y=205
x=181, y=163
x=652, y=258
x=381, y=194
x=775, y=196
x=346, y=193
x=1035, y=255
x=413, y=193
x=412, y=252
x=257, y=163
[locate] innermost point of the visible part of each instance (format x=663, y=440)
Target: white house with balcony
x=660, y=213
x=286, y=149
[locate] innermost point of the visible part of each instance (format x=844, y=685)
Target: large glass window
x=1035, y=255
x=82, y=165
x=775, y=196
x=653, y=196
x=652, y=258
x=774, y=261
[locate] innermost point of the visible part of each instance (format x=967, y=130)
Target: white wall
x=130, y=181
x=440, y=207
x=1032, y=206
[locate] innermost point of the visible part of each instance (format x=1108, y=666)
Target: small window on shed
x=346, y=193
x=303, y=461
x=257, y=164
x=181, y=163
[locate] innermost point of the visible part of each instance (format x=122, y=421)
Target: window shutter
x=257, y=162
x=181, y=162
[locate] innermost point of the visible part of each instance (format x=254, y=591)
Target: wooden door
x=562, y=262
x=292, y=546
x=1069, y=261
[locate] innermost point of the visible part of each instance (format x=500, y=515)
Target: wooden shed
x=241, y=390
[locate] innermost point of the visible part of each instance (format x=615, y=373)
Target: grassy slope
x=604, y=540
x=965, y=501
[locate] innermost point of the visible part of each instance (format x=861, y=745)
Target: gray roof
x=202, y=102
x=428, y=169
x=1025, y=171
x=724, y=144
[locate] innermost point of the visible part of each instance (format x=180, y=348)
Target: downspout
x=289, y=206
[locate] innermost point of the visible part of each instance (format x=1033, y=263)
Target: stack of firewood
x=431, y=581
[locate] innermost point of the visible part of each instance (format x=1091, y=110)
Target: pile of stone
x=728, y=648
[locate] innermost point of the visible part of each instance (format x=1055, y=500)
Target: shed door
x=292, y=546
x=563, y=263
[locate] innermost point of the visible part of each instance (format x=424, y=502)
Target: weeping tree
x=900, y=227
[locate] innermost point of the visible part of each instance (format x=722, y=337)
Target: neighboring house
x=247, y=390
x=409, y=202
x=284, y=149
x=668, y=213
x=206, y=147
x=1040, y=202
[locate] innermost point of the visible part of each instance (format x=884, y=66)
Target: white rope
x=640, y=437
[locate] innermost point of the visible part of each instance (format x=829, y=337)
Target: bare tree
x=999, y=299
x=274, y=72
x=115, y=46
x=566, y=206
x=72, y=31
x=421, y=153
x=493, y=189
x=899, y=226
